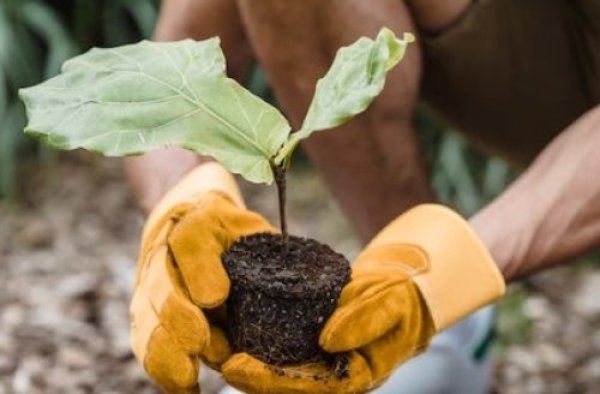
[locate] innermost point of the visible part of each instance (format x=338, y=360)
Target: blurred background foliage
x=36, y=37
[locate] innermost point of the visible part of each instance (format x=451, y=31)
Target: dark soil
x=279, y=301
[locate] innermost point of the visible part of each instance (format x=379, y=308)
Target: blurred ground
x=67, y=257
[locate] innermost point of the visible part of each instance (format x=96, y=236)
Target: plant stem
x=279, y=172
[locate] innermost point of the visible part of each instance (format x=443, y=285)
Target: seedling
x=135, y=98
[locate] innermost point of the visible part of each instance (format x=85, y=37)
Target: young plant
x=134, y=98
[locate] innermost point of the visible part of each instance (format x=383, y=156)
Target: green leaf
x=355, y=78
x=135, y=98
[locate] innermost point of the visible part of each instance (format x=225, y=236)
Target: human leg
x=432, y=16
x=372, y=164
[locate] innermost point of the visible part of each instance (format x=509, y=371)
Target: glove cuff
x=462, y=276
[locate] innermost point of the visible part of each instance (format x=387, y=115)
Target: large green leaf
x=355, y=78
x=135, y=98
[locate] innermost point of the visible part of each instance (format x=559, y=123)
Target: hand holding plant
x=139, y=97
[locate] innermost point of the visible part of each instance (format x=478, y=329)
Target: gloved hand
x=423, y=272
x=176, y=310
x=180, y=278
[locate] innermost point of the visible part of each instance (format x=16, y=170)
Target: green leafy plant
x=135, y=98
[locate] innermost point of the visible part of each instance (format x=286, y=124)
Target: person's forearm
x=152, y=174
x=552, y=212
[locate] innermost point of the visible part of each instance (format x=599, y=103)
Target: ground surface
x=67, y=257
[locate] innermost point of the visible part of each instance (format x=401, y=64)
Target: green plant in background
x=24, y=59
x=36, y=37
x=513, y=327
x=460, y=175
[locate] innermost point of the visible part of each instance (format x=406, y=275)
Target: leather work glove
x=425, y=271
x=180, y=278
x=177, y=309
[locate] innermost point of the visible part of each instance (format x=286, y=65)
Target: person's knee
x=435, y=15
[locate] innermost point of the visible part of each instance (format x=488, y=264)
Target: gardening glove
x=180, y=278
x=425, y=271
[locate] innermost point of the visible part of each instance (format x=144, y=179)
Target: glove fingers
x=169, y=366
x=240, y=222
x=199, y=240
x=218, y=349
x=369, y=308
x=162, y=358
x=164, y=289
x=253, y=376
x=408, y=338
x=197, y=244
x=367, y=284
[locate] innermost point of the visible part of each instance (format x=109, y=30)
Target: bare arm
x=552, y=212
x=152, y=174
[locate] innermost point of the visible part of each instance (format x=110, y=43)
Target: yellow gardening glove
x=181, y=285
x=253, y=376
x=423, y=272
x=180, y=277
